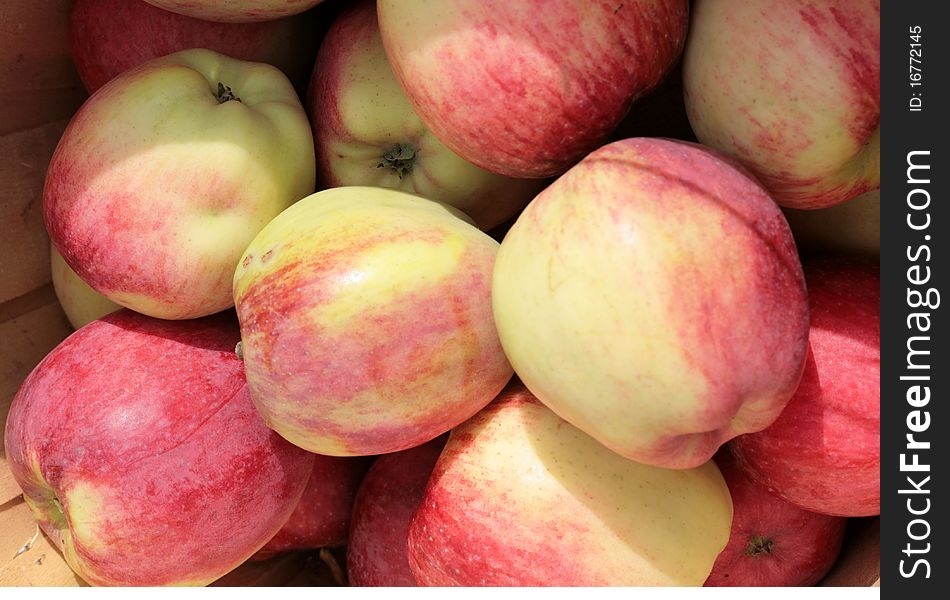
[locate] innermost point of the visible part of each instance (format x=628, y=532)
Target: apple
x=322, y=517
x=366, y=321
x=141, y=456
x=852, y=227
x=824, y=452
x=376, y=554
x=108, y=37
x=519, y=497
x=366, y=132
x=236, y=11
x=165, y=175
x=773, y=543
x=525, y=90
x=792, y=89
x=652, y=296
x=81, y=303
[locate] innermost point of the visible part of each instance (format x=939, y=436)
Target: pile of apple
x=690, y=403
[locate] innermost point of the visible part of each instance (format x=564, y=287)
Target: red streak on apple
x=823, y=452
x=147, y=425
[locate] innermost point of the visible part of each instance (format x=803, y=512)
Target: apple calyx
x=225, y=94
x=400, y=158
x=759, y=544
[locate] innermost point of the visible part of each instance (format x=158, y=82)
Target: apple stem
x=239, y=350
x=225, y=94
x=759, y=544
x=330, y=561
x=400, y=158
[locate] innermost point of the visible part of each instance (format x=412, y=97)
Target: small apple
x=773, y=542
x=376, y=554
x=366, y=321
x=108, y=37
x=519, y=497
x=236, y=11
x=366, y=132
x=141, y=456
x=525, y=90
x=322, y=517
x=824, y=452
x=81, y=303
x=166, y=174
x=652, y=296
x=791, y=89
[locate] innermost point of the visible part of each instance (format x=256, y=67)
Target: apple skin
x=322, y=517
x=141, y=456
x=824, y=452
x=790, y=88
x=773, y=543
x=521, y=498
x=360, y=114
x=236, y=11
x=108, y=37
x=652, y=296
x=156, y=188
x=81, y=303
x=852, y=227
x=376, y=554
x=525, y=89
x=366, y=321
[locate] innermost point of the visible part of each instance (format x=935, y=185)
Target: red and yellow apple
x=773, y=542
x=525, y=89
x=165, y=175
x=81, y=303
x=652, y=297
x=366, y=321
x=376, y=553
x=521, y=498
x=322, y=517
x=366, y=132
x=824, y=452
x=792, y=89
x=141, y=456
x=236, y=11
x=108, y=37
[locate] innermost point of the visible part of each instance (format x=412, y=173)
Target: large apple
x=366, y=132
x=773, y=543
x=376, y=553
x=824, y=451
x=366, y=321
x=141, y=456
x=652, y=296
x=522, y=89
x=81, y=303
x=792, y=89
x=166, y=174
x=322, y=517
x=236, y=11
x=108, y=37
x=520, y=497
x=852, y=227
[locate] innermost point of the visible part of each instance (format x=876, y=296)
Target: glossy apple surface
x=519, y=497
x=652, y=296
x=366, y=321
x=141, y=456
x=376, y=553
x=773, y=543
x=824, y=452
x=792, y=89
x=522, y=89
x=164, y=176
